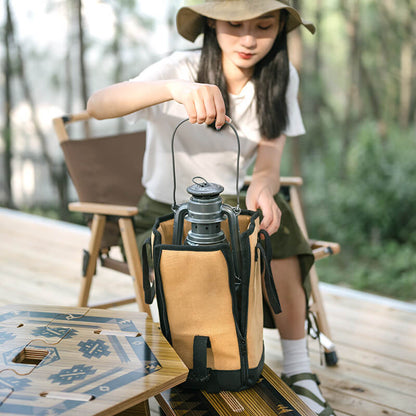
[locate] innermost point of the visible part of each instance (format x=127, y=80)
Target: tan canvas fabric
x=166, y=231
x=187, y=278
x=198, y=300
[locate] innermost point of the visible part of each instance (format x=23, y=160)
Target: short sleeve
x=153, y=72
x=180, y=65
x=295, y=125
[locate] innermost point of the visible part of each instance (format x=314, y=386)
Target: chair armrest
x=103, y=209
x=322, y=249
x=59, y=123
x=284, y=180
x=291, y=181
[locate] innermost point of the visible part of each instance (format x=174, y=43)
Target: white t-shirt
x=199, y=150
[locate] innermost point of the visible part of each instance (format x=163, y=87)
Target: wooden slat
x=105, y=209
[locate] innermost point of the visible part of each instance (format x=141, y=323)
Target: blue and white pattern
x=75, y=373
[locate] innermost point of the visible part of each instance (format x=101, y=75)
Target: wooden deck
x=40, y=262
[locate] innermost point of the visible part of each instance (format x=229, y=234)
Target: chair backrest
x=104, y=169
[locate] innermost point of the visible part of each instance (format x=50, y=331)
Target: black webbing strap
x=149, y=289
x=268, y=279
x=267, y=244
x=200, y=371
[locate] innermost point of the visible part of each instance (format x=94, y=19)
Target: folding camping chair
x=106, y=172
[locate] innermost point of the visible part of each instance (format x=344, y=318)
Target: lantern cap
x=203, y=189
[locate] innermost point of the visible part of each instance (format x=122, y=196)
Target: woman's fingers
x=203, y=102
x=212, y=109
x=220, y=111
x=271, y=221
x=271, y=214
x=191, y=110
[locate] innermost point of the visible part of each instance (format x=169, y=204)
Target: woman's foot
x=298, y=376
x=305, y=385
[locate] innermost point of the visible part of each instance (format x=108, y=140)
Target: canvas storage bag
x=211, y=316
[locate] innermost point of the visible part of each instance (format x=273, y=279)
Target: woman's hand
x=203, y=102
x=265, y=183
x=260, y=197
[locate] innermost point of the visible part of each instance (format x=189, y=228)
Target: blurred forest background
x=358, y=83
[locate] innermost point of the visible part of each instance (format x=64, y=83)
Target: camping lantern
x=205, y=211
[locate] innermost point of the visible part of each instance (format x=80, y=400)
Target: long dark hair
x=270, y=77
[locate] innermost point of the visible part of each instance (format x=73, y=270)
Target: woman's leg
x=291, y=321
x=291, y=325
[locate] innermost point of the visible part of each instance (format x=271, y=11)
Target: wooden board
x=58, y=361
x=269, y=397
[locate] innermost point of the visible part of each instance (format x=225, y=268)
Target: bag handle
x=268, y=275
x=174, y=205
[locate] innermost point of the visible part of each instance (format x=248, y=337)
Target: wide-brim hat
x=190, y=19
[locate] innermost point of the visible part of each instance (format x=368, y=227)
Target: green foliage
x=371, y=212
x=387, y=268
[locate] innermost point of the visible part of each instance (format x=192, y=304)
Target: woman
x=241, y=72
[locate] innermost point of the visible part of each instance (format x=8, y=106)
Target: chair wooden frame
x=101, y=213
x=320, y=250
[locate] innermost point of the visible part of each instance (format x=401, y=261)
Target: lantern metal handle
x=174, y=205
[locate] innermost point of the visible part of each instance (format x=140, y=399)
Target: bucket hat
x=190, y=18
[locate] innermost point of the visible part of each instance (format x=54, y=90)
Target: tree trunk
x=295, y=49
x=82, y=66
x=7, y=129
x=116, y=49
x=318, y=97
x=351, y=98
x=406, y=72
x=68, y=59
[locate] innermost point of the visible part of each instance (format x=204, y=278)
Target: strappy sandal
x=302, y=391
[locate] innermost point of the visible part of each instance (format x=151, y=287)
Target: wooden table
x=66, y=361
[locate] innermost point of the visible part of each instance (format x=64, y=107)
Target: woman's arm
x=265, y=182
x=203, y=102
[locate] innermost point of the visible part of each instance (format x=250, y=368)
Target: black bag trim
x=160, y=296
x=243, y=298
x=269, y=281
x=246, y=266
x=148, y=287
x=211, y=247
x=253, y=216
x=223, y=380
x=243, y=295
x=200, y=373
x=156, y=233
x=245, y=282
x=267, y=245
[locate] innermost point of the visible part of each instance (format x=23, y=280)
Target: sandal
x=302, y=391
